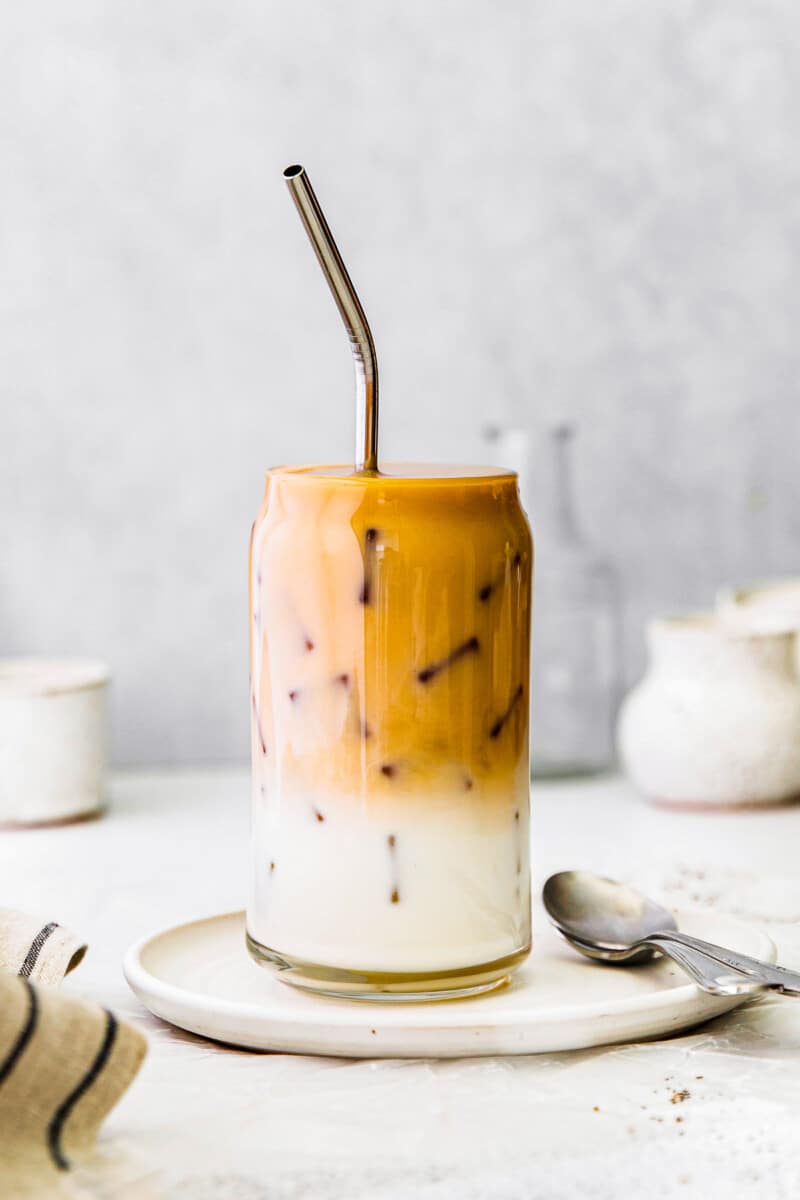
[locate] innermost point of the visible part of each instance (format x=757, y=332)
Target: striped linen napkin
x=64, y=1062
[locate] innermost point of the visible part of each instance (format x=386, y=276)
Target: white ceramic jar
x=53, y=740
x=769, y=607
x=716, y=720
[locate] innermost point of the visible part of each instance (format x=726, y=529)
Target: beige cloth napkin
x=64, y=1062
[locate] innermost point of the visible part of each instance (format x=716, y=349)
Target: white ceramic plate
x=200, y=977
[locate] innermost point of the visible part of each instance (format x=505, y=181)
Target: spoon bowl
x=631, y=956
x=602, y=918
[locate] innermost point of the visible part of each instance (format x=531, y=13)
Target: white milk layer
x=412, y=887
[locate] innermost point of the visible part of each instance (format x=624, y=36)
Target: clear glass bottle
x=577, y=638
x=577, y=647
x=390, y=629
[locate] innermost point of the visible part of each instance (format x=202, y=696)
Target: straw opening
x=293, y=171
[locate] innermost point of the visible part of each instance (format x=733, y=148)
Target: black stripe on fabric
x=35, y=950
x=25, y=1034
x=56, y=1126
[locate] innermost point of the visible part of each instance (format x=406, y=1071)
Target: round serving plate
x=200, y=977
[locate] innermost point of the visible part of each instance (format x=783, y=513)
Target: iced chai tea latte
x=390, y=630
x=390, y=626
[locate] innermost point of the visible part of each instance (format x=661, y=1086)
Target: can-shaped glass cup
x=390, y=641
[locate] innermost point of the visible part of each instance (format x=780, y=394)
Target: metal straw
x=349, y=305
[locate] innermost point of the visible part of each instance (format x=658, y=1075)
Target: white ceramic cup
x=53, y=740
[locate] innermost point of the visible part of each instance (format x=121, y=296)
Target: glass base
x=388, y=985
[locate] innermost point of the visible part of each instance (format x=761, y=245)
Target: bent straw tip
x=293, y=171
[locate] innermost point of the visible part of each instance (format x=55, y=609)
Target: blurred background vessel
x=577, y=627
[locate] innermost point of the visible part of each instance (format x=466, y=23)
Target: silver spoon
x=612, y=923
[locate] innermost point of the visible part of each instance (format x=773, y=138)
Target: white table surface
x=202, y=1121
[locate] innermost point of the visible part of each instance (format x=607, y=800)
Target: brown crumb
x=699, y=1077
x=309, y=644
x=389, y=770
x=596, y=1108
x=392, y=841
x=395, y=897
x=343, y=679
x=271, y=867
x=679, y=1120
x=679, y=1097
x=318, y=815
x=293, y=695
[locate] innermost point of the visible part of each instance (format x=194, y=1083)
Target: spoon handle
x=708, y=973
x=779, y=979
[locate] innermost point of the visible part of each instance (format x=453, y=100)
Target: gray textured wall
x=551, y=209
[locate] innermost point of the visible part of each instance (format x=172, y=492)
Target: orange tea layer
x=390, y=643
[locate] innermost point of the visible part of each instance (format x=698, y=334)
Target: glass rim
x=420, y=474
